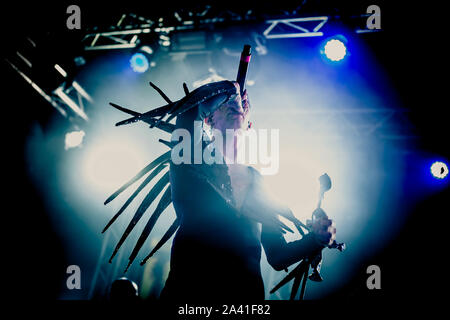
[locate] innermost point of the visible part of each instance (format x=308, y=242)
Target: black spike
x=133, y=113
x=127, y=121
x=185, y=88
x=163, y=125
x=157, y=188
x=305, y=278
x=157, y=122
x=295, y=286
x=147, y=180
x=180, y=108
x=163, y=95
x=295, y=272
x=298, y=224
x=268, y=219
x=162, y=158
x=283, y=226
x=164, y=202
x=174, y=107
x=169, y=233
x=149, y=114
x=170, y=144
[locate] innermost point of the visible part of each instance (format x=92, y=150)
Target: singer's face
x=234, y=114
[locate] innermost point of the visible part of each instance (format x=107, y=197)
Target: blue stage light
x=439, y=170
x=335, y=50
x=139, y=63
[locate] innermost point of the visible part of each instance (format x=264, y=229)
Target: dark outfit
x=217, y=250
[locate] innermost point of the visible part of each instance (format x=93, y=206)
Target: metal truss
x=124, y=35
x=68, y=99
x=66, y=96
x=130, y=27
x=47, y=97
x=292, y=28
x=295, y=26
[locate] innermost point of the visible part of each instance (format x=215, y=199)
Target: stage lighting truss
x=124, y=35
x=73, y=97
x=68, y=98
x=294, y=25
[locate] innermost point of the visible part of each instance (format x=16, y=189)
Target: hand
x=245, y=101
x=239, y=103
x=324, y=231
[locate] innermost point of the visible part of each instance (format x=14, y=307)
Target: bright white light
x=439, y=170
x=146, y=49
x=60, y=70
x=139, y=63
x=74, y=139
x=335, y=50
x=110, y=163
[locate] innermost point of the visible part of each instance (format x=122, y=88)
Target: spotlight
x=164, y=40
x=439, y=170
x=139, y=63
x=74, y=139
x=335, y=49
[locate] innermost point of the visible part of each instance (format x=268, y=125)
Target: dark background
x=412, y=48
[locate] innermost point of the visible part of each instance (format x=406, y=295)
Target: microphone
x=243, y=66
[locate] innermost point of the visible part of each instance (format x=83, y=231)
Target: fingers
x=243, y=105
x=325, y=230
x=245, y=101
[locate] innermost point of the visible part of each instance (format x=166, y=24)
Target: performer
x=224, y=213
x=216, y=252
